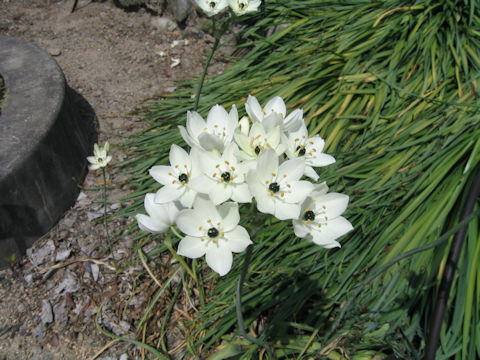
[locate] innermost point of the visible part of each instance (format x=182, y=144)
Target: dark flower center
x=301, y=150
x=226, y=176
x=309, y=215
x=274, y=187
x=183, y=178
x=212, y=232
x=212, y=4
x=257, y=150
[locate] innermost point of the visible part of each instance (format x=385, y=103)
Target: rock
x=69, y=284
x=163, y=24
x=180, y=9
x=60, y=311
x=62, y=255
x=42, y=255
x=156, y=6
x=40, y=331
x=47, y=314
x=123, y=357
x=54, y=51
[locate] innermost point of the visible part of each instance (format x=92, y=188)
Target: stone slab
x=46, y=133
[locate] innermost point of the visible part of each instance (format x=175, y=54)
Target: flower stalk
x=238, y=305
x=218, y=35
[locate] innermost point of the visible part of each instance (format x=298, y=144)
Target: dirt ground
x=116, y=60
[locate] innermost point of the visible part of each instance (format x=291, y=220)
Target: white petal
x=253, y=108
x=232, y=120
x=202, y=184
x=267, y=164
x=311, y=173
x=220, y=193
x=276, y=105
x=161, y=174
x=300, y=228
x=322, y=239
x=189, y=222
x=195, y=124
x=336, y=227
x=320, y=159
x=284, y=211
x=335, y=204
x=179, y=158
x=188, y=197
x=204, y=206
x=219, y=259
x=169, y=193
x=188, y=139
x=292, y=170
x=241, y=193
x=210, y=142
x=238, y=239
x=255, y=186
x=230, y=215
x=294, y=120
x=160, y=212
x=147, y=223
x=191, y=247
x=266, y=204
x=299, y=191
x=319, y=190
x=217, y=116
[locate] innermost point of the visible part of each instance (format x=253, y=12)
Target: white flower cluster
x=263, y=156
x=239, y=7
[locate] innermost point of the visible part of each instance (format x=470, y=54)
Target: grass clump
x=393, y=88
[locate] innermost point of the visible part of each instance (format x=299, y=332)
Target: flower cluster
x=265, y=156
x=239, y=7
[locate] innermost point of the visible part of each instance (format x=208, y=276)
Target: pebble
x=163, y=24
x=54, y=51
x=47, y=314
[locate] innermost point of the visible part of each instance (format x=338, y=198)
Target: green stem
x=182, y=262
x=105, y=222
x=205, y=68
x=238, y=305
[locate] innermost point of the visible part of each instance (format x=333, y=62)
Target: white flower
x=223, y=176
x=241, y=7
x=274, y=113
x=320, y=219
x=298, y=144
x=278, y=189
x=215, y=133
x=100, y=158
x=254, y=141
x=212, y=231
x=175, y=178
x=160, y=216
x=212, y=7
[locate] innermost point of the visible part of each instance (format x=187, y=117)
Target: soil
x=49, y=299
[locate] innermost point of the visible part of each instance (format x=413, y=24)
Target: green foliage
x=393, y=88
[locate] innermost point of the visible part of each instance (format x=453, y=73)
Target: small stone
x=47, y=314
x=62, y=255
x=175, y=62
x=163, y=24
x=42, y=255
x=40, y=331
x=123, y=357
x=54, y=51
x=180, y=9
x=95, y=270
x=68, y=284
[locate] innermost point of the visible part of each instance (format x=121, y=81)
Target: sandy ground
x=116, y=60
